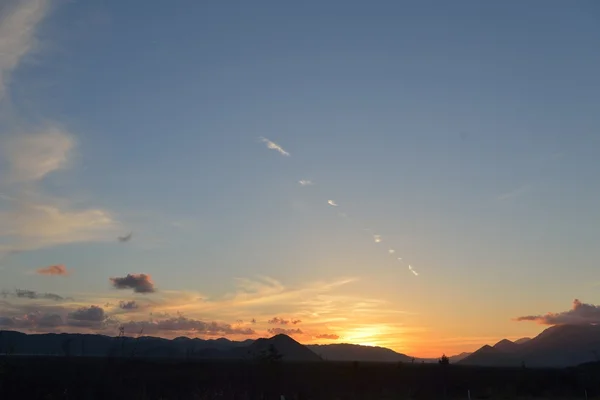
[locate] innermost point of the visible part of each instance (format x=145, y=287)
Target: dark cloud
x=277, y=331
x=580, y=313
x=253, y=321
x=88, y=317
x=59, y=270
x=33, y=321
x=331, y=336
x=49, y=321
x=126, y=238
x=187, y=325
x=31, y=294
x=296, y=321
x=140, y=283
x=128, y=305
x=92, y=313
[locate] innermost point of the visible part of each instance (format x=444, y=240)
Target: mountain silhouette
x=557, y=346
x=506, y=345
x=522, y=340
x=147, y=346
x=286, y=347
x=354, y=352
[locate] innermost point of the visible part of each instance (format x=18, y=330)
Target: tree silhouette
x=444, y=360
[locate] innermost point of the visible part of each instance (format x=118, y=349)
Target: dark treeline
x=114, y=378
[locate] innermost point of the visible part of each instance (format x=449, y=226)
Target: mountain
x=147, y=346
x=506, y=345
x=456, y=358
x=288, y=348
x=355, y=352
x=101, y=345
x=557, y=346
x=522, y=340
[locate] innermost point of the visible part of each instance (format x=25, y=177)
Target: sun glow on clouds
x=318, y=312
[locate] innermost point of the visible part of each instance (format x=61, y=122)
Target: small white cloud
x=413, y=270
x=377, y=238
x=332, y=203
x=274, y=146
x=391, y=251
x=305, y=182
x=399, y=258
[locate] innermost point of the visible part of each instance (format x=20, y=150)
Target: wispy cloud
x=18, y=22
x=55, y=270
x=32, y=156
x=580, y=313
x=330, y=336
x=31, y=226
x=283, y=321
x=377, y=238
x=415, y=273
x=274, y=146
x=332, y=203
x=284, y=331
x=29, y=155
x=305, y=182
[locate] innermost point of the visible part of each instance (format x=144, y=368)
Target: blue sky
x=464, y=133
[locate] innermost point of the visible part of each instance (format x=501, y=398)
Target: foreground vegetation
x=98, y=378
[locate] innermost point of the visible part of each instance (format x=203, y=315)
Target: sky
x=419, y=175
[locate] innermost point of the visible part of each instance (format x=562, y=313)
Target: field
x=98, y=378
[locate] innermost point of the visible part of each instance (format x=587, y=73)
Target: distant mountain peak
x=522, y=340
x=505, y=345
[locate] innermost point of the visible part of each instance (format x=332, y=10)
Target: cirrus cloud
x=32, y=156
x=18, y=21
x=274, y=146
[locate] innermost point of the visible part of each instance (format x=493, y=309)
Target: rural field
x=102, y=378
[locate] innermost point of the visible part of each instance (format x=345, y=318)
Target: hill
x=355, y=352
x=557, y=346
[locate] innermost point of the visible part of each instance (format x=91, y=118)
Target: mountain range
x=557, y=346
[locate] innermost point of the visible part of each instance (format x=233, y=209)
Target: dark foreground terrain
x=101, y=378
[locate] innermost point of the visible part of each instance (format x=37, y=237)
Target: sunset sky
x=410, y=174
